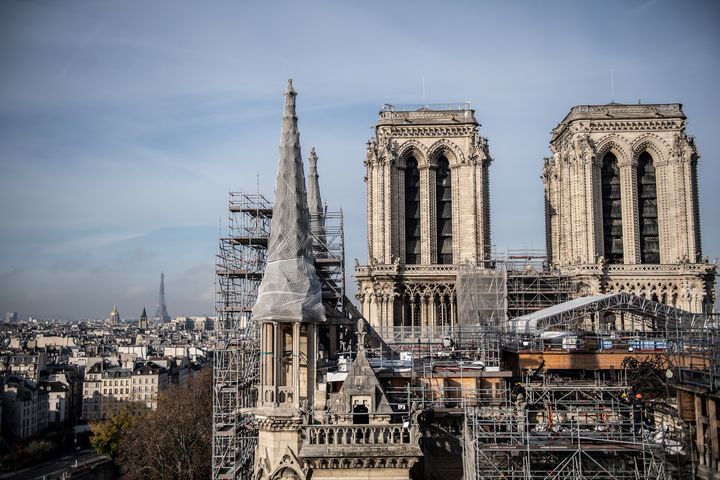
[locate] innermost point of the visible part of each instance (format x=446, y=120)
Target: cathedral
x=621, y=205
x=622, y=222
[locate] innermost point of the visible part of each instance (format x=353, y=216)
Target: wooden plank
x=699, y=430
x=713, y=426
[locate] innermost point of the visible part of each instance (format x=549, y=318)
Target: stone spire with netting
x=290, y=289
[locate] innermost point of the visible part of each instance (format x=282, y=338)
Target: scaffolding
x=241, y=261
x=569, y=430
x=240, y=264
x=329, y=252
x=531, y=284
x=482, y=305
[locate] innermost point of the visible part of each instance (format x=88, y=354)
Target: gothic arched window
x=443, y=191
x=412, y=212
x=611, y=209
x=647, y=210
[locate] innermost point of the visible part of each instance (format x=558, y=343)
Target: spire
x=317, y=215
x=143, y=323
x=290, y=289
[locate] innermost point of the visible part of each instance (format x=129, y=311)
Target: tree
x=173, y=442
x=106, y=434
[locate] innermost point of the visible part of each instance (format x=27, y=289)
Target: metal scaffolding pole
x=240, y=264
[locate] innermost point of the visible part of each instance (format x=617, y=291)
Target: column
x=311, y=355
x=596, y=207
x=400, y=245
x=452, y=310
x=426, y=203
x=629, y=199
x=412, y=312
x=277, y=364
x=295, y=381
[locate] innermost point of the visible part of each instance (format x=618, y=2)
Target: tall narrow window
x=444, y=212
x=612, y=209
x=647, y=210
x=412, y=212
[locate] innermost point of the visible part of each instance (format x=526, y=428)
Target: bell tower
x=622, y=207
x=428, y=207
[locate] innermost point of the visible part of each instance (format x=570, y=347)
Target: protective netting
x=481, y=296
x=290, y=289
x=317, y=215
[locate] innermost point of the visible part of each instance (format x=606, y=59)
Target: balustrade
x=371, y=435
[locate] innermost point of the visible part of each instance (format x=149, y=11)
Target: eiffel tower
x=161, y=313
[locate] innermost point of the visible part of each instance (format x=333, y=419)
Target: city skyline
x=120, y=141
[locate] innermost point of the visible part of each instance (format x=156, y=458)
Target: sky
x=124, y=124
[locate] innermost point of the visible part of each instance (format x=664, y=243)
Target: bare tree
x=173, y=442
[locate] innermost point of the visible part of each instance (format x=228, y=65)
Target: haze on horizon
x=123, y=125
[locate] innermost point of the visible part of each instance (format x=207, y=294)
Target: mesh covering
x=317, y=215
x=482, y=296
x=290, y=289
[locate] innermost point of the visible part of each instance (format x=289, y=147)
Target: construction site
x=525, y=385
x=523, y=375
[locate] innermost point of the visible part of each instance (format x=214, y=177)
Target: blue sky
x=123, y=124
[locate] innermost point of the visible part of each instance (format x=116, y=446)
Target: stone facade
x=621, y=204
x=428, y=210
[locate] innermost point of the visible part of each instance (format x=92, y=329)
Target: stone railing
x=691, y=268
x=425, y=107
x=354, y=435
x=395, y=269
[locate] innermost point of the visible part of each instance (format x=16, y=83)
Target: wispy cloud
x=123, y=125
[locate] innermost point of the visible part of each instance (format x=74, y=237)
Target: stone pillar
x=311, y=355
x=424, y=311
x=664, y=201
x=443, y=312
x=277, y=360
x=400, y=219
x=566, y=245
x=596, y=219
x=459, y=251
x=452, y=310
x=370, y=180
x=295, y=380
x=425, y=214
x=389, y=212
x=412, y=311
x=629, y=199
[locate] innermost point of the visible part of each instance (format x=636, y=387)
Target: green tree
x=106, y=434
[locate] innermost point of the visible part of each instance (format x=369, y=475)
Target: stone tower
x=288, y=309
x=621, y=204
x=428, y=211
x=143, y=323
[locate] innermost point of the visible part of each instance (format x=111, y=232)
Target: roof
x=577, y=308
x=55, y=386
x=447, y=114
x=619, y=111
